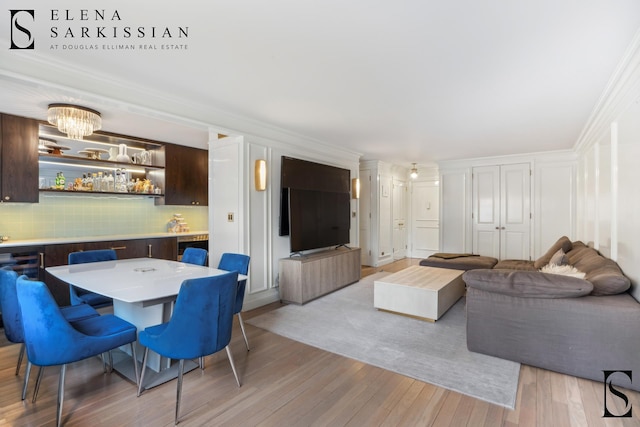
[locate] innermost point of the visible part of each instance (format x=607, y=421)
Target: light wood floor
x=286, y=383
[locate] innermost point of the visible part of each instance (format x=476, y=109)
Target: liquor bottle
x=61, y=181
x=110, y=183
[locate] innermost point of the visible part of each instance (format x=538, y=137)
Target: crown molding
x=108, y=93
x=621, y=91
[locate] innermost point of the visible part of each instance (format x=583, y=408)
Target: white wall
x=609, y=172
x=553, y=199
x=255, y=227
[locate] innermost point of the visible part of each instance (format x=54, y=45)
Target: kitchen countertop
x=79, y=239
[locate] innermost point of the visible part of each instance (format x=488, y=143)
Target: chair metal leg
x=63, y=370
x=38, y=381
x=26, y=380
x=233, y=366
x=20, y=357
x=110, y=361
x=201, y=362
x=135, y=362
x=244, y=333
x=179, y=396
x=144, y=364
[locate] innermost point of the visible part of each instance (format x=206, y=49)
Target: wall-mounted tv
x=315, y=204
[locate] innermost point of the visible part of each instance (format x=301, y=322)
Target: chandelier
x=77, y=122
x=414, y=171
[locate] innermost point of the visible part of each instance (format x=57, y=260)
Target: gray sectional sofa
x=576, y=326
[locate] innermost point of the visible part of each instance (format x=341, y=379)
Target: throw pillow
x=565, y=270
x=563, y=243
x=559, y=258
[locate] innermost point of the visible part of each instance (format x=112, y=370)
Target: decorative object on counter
x=122, y=156
x=76, y=121
x=177, y=224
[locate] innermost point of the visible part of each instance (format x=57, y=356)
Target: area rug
x=346, y=323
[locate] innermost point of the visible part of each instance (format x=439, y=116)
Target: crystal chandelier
x=77, y=122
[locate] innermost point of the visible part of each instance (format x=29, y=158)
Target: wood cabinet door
x=19, y=159
x=163, y=248
x=186, y=176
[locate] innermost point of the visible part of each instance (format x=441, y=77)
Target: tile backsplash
x=79, y=215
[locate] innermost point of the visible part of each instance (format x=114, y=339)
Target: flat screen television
x=318, y=219
x=315, y=204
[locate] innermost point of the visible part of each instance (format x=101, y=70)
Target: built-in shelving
x=74, y=159
x=99, y=193
x=92, y=163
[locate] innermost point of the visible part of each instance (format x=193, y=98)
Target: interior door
x=515, y=211
x=486, y=211
x=425, y=222
x=385, y=231
x=502, y=211
x=399, y=212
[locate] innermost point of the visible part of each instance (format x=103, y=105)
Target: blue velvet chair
x=200, y=325
x=80, y=296
x=12, y=318
x=195, y=256
x=52, y=340
x=239, y=263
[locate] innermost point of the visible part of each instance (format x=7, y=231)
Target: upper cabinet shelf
x=177, y=174
x=69, y=159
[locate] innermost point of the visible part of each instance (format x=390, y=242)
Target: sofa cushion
x=515, y=264
x=559, y=258
x=563, y=243
x=527, y=284
x=603, y=273
x=608, y=279
x=460, y=263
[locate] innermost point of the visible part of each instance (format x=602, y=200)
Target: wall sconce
x=260, y=175
x=355, y=188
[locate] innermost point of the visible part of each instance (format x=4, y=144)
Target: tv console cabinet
x=307, y=277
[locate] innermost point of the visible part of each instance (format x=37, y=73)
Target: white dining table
x=143, y=292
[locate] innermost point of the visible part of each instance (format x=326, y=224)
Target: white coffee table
x=418, y=291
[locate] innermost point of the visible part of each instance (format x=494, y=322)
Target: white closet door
x=486, y=211
x=515, y=211
x=502, y=211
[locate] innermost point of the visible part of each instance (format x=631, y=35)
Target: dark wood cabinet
x=185, y=176
x=18, y=159
x=54, y=255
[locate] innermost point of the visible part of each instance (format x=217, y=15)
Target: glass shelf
x=99, y=193
x=92, y=163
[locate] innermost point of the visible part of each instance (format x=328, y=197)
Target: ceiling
x=406, y=81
